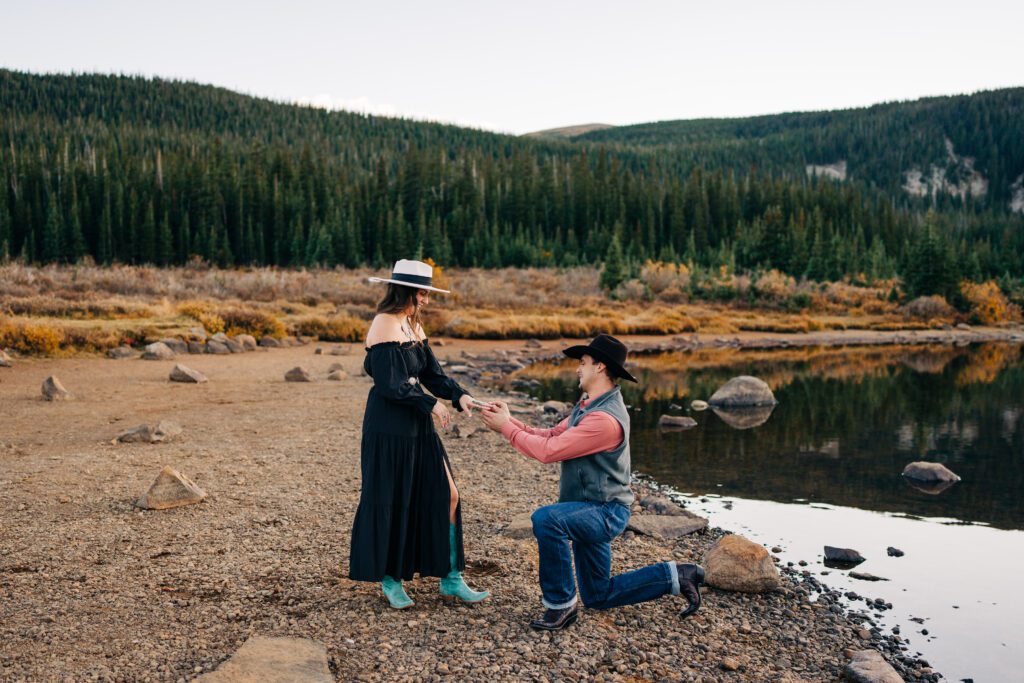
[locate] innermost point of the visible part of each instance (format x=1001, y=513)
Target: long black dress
x=401, y=526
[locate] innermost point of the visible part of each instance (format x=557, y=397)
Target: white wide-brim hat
x=412, y=274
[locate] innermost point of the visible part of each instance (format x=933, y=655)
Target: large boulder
x=868, y=666
x=269, y=342
x=667, y=527
x=743, y=391
x=298, y=374
x=520, y=527
x=676, y=422
x=53, y=390
x=736, y=564
x=234, y=346
x=247, y=341
x=660, y=505
x=181, y=373
x=175, y=344
x=164, y=430
x=842, y=557
x=196, y=347
x=216, y=347
x=157, y=351
x=274, y=660
x=170, y=490
x=121, y=352
x=744, y=418
x=929, y=471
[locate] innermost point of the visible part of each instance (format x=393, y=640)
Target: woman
x=409, y=520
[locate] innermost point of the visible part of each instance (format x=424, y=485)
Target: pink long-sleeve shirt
x=595, y=433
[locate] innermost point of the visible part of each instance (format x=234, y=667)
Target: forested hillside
x=148, y=171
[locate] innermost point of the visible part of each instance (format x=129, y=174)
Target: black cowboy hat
x=605, y=349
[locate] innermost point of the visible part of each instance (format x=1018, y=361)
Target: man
x=592, y=445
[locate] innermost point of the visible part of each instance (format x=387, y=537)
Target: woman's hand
x=466, y=403
x=444, y=416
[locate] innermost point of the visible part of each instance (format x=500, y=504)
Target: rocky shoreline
x=94, y=588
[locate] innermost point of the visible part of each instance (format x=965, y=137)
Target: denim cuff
x=673, y=573
x=564, y=605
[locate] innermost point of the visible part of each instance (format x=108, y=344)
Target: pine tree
x=614, y=271
x=52, y=251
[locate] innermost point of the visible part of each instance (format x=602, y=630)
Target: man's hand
x=496, y=415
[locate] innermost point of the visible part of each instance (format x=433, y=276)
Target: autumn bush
x=30, y=338
x=928, y=307
x=338, y=328
x=249, y=321
x=988, y=304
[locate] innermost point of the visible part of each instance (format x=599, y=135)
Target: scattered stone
x=840, y=557
x=340, y=351
x=197, y=332
x=234, y=346
x=164, y=430
x=335, y=366
x=730, y=664
x=181, y=373
x=318, y=351
x=298, y=374
x=868, y=666
x=157, y=351
x=699, y=405
x=520, y=527
x=121, y=352
x=864, y=576
x=269, y=342
x=556, y=407
x=274, y=660
x=196, y=347
x=894, y=552
x=743, y=391
x=175, y=344
x=170, y=490
x=459, y=369
x=247, y=341
x=217, y=348
x=667, y=527
x=337, y=375
x=674, y=422
x=438, y=342
x=737, y=564
x=929, y=471
x=660, y=505
x=532, y=344
x=744, y=418
x=53, y=390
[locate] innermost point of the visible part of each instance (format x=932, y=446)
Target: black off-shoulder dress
x=401, y=526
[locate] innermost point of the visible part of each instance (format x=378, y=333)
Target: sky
x=523, y=66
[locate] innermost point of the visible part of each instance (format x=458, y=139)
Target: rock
x=217, y=348
x=341, y=351
x=197, y=333
x=438, y=342
x=196, y=347
x=53, y=390
x=520, y=527
x=181, y=373
x=744, y=418
x=676, y=422
x=121, y=352
x=459, y=369
x=963, y=326
x=5, y=360
x=269, y=342
x=335, y=366
x=667, y=527
x=840, y=557
x=533, y=344
x=234, y=346
x=743, y=391
x=929, y=472
x=274, y=660
x=175, y=344
x=737, y=564
x=318, y=351
x=660, y=505
x=337, y=376
x=157, y=351
x=868, y=666
x=162, y=431
x=894, y=552
x=556, y=407
x=699, y=405
x=298, y=374
x=730, y=664
x=170, y=490
x=220, y=337
x=247, y=341
x=864, y=576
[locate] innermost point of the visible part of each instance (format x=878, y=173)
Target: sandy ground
x=93, y=588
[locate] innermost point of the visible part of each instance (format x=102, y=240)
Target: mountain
x=568, y=131
x=135, y=170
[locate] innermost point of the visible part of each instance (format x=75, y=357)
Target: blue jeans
x=590, y=527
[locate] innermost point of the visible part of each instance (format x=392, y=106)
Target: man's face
x=587, y=371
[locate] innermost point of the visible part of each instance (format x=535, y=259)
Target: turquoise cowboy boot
x=453, y=585
x=395, y=594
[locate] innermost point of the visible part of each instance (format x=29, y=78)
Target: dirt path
x=91, y=587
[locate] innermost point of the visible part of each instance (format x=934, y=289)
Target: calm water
x=823, y=468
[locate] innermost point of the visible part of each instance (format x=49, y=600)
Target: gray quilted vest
x=602, y=477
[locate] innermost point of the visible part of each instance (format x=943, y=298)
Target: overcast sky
x=524, y=65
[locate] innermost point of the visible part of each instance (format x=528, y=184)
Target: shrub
x=988, y=304
x=339, y=328
x=925, y=307
x=204, y=314
x=249, y=321
x=30, y=338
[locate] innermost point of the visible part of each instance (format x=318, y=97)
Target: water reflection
x=847, y=422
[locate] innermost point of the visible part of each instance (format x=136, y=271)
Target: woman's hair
x=396, y=299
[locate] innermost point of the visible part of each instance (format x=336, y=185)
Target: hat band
x=413, y=279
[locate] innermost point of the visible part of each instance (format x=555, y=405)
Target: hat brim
x=408, y=284
x=581, y=350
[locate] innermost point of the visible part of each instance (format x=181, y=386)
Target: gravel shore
x=92, y=588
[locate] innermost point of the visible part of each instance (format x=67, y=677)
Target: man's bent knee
x=542, y=519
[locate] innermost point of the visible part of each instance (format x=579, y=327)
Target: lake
x=823, y=468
